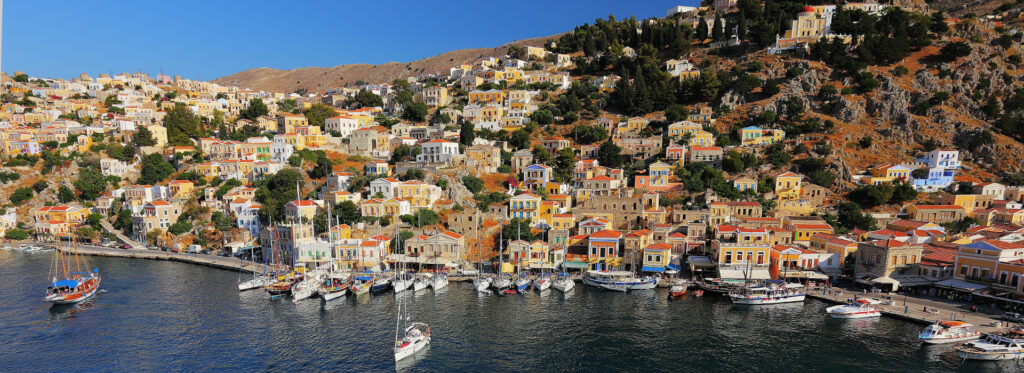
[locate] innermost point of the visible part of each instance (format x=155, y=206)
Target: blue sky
x=212, y=38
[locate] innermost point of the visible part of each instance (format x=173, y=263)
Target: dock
x=229, y=263
x=912, y=308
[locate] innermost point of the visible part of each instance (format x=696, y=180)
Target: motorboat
x=440, y=281
x=1004, y=345
x=381, y=284
x=361, y=285
x=678, y=289
x=858, y=309
x=542, y=283
x=948, y=332
x=563, y=282
x=616, y=280
x=769, y=293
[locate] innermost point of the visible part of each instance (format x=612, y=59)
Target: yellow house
x=992, y=262
x=491, y=113
x=311, y=136
x=341, y=232
x=379, y=168
x=886, y=174
x=679, y=129
x=490, y=96
x=562, y=221
x=754, y=135
x=69, y=214
x=635, y=124
x=656, y=257
x=524, y=206
x=833, y=244
x=287, y=122
x=547, y=209
x=180, y=188
x=802, y=233
x=745, y=183
x=415, y=192
x=788, y=185
x=209, y=171
x=702, y=138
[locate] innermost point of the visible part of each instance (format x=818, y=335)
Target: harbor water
x=160, y=316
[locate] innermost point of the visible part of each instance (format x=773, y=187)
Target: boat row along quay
x=912, y=308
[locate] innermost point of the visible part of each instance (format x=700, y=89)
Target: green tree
x=520, y=139
x=542, y=117
x=676, y=112
x=180, y=227
x=154, y=170
x=90, y=183
x=609, y=155
x=16, y=234
x=65, y=194
x=40, y=186
x=182, y=125
x=255, y=109
x=143, y=137
x=954, y=50
x=466, y=133
x=317, y=113
x=322, y=169
x=368, y=99
x=518, y=229
x=850, y=217
x=472, y=183
x=21, y=195
x=415, y=112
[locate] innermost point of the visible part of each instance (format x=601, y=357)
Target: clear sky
x=213, y=38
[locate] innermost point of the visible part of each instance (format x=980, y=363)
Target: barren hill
x=319, y=79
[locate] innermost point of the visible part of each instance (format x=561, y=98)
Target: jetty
x=923, y=310
x=230, y=263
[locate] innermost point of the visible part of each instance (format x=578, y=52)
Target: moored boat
x=381, y=284
x=522, y=283
x=770, y=293
x=858, y=309
x=283, y=284
x=678, y=289
x=402, y=283
x=615, y=280
x=563, y=282
x=643, y=283
x=482, y=284
x=440, y=281
x=542, y=283
x=361, y=285
x=76, y=287
x=714, y=286
x=421, y=282
x=948, y=332
x=1004, y=345
x=255, y=283
x=336, y=286
x=415, y=338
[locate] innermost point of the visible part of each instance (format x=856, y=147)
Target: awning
x=673, y=266
x=652, y=269
x=576, y=265
x=960, y=285
x=700, y=262
x=912, y=280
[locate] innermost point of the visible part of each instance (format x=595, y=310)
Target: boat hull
x=482, y=284
x=563, y=285
x=76, y=296
x=380, y=287
x=936, y=341
x=401, y=285
x=419, y=285
x=255, y=283
x=846, y=312
x=739, y=299
x=411, y=349
x=644, y=285
x=332, y=295
x=542, y=284
x=439, y=283
x=990, y=356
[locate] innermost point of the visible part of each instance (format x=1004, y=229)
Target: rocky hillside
x=319, y=79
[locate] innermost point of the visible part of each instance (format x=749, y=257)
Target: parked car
x=125, y=246
x=204, y=252
x=175, y=250
x=224, y=253
x=1013, y=316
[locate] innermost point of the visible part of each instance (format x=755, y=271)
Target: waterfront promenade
x=912, y=307
x=231, y=263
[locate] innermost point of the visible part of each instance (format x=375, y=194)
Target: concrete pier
x=230, y=263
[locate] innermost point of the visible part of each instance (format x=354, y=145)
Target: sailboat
x=402, y=280
x=335, y=286
x=501, y=282
x=522, y=282
x=563, y=282
x=421, y=281
x=258, y=280
x=481, y=283
x=542, y=282
x=70, y=284
x=413, y=338
x=440, y=280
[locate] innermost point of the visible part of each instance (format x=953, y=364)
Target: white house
x=386, y=186
x=113, y=167
x=342, y=124
x=942, y=159
x=437, y=151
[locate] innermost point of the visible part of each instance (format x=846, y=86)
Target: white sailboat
x=563, y=282
x=481, y=283
x=440, y=280
x=542, y=282
x=501, y=282
x=421, y=281
x=412, y=339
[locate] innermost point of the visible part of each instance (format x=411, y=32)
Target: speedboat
x=678, y=289
x=336, y=286
x=770, y=293
x=1005, y=345
x=439, y=282
x=416, y=337
x=563, y=282
x=948, y=332
x=616, y=280
x=858, y=309
x=361, y=285
x=542, y=283
x=78, y=287
x=522, y=283
x=421, y=281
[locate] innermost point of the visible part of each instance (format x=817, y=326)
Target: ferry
x=948, y=332
x=771, y=293
x=1006, y=345
x=858, y=309
x=615, y=280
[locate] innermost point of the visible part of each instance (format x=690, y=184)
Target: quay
x=229, y=263
x=912, y=308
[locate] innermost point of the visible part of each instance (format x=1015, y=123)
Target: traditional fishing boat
x=1004, y=345
x=335, y=286
x=714, y=285
x=361, y=285
x=70, y=284
x=948, y=332
x=283, y=284
x=678, y=289
x=563, y=282
x=769, y=293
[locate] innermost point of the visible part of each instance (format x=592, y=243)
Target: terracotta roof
x=938, y=207
x=889, y=233
x=659, y=246
x=606, y=234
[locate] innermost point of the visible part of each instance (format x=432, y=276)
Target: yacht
x=522, y=283
x=416, y=337
x=770, y=293
x=381, y=283
x=421, y=281
x=948, y=332
x=858, y=309
x=1005, y=345
x=542, y=283
x=440, y=281
x=563, y=282
x=501, y=283
x=616, y=280
x=482, y=283
x=402, y=283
